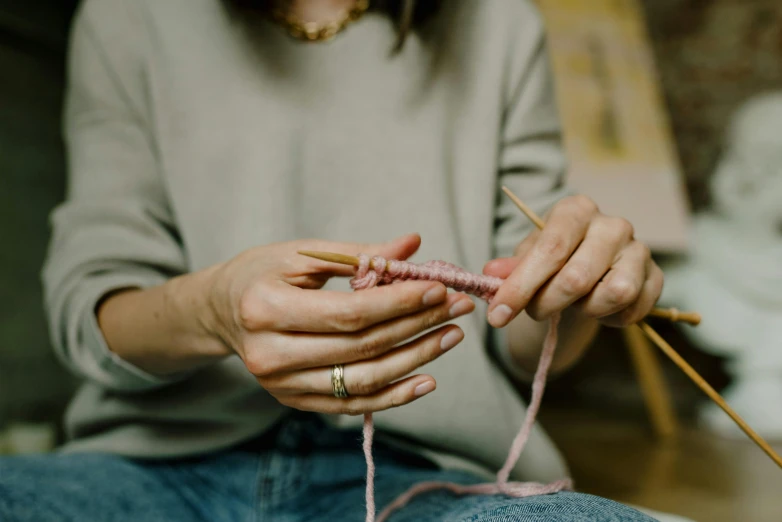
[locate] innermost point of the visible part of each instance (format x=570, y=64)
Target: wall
x=712, y=55
x=32, y=34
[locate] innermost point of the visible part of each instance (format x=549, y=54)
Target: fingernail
x=462, y=307
x=500, y=316
x=435, y=295
x=451, y=339
x=423, y=389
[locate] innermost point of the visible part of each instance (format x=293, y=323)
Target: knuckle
x=365, y=384
x=409, y=297
x=396, y=400
x=588, y=310
x=622, y=290
x=276, y=385
x=576, y=279
x=623, y=227
x=424, y=353
x=261, y=365
x=585, y=203
x=433, y=318
x=554, y=247
x=404, y=298
x=644, y=250
x=350, y=319
x=352, y=408
x=255, y=311
x=369, y=346
x=249, y=309
x=424, y=357
x=513, y=289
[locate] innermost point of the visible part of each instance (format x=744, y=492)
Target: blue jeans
x=300, y=472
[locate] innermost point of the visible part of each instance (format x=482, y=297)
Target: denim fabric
x=303, y=471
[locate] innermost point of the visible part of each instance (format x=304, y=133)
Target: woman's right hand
x=268, y=307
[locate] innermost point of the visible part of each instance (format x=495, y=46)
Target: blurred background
x=714, y=63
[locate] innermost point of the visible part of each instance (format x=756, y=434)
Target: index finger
x=561, y=236
x=330, y=311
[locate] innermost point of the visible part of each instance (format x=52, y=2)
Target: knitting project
x=485, y=287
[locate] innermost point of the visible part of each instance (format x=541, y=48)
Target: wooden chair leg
x=653, y=386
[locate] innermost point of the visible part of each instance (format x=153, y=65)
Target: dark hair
x=407, y=15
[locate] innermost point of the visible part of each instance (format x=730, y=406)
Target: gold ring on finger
x=338, y=381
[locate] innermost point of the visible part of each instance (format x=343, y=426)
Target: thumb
x=398, y=248
x=501, y=267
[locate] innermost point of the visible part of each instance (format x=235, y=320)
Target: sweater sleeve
x=115, y=228
x=532, y=160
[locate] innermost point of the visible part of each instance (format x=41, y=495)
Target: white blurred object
x=733, y=274
x=27, y=439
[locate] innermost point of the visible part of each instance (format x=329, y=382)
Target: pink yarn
x=452, y=276
x=485, y=287
x=370, y=494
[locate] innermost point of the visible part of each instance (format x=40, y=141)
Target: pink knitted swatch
x=386, y=272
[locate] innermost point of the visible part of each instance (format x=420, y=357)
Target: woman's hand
x=267, y=307
x=582, y=259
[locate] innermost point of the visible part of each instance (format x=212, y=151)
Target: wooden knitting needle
x=670, y=314
x=708, y=390
x=332, y=257
x=675, y=357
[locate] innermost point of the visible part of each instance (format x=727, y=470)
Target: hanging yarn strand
x=370, y=494
x=538, y=387
x=378, y=271
x=502, y=486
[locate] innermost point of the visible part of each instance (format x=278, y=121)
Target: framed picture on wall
x=616, y=128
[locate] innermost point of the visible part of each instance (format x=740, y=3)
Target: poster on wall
x=616, y=127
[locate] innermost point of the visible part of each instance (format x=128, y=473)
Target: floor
x=694, y=475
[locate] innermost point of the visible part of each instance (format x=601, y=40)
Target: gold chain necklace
x=314, y=32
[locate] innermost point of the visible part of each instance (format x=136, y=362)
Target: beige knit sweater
x=194, y=135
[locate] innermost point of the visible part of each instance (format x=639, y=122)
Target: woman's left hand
x=583, y=259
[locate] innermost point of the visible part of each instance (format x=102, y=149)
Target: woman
x=208, y=141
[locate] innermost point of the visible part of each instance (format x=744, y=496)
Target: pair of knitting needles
x=670, y=314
